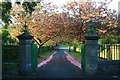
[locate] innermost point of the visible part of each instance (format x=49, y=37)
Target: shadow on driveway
x=59, y=67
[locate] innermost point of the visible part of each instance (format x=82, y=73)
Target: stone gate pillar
x=91, y=52
x=25, y=51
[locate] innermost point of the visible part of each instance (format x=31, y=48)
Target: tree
x=80, y=13
x=44, y=25
x=50, y=27
x=5, y=7
x=29, y=7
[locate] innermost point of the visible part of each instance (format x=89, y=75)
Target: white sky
x=112, y=5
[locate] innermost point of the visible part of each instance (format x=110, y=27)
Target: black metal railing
x=10, y=59
x=109, y=52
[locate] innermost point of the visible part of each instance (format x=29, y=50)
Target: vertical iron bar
x=99, y=52
x=104, y=51
x=119, y=50
x=114, y=52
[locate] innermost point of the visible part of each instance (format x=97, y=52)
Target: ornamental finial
x=25, y=27
x=91, y=26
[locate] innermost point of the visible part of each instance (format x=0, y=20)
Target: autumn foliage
x=50, y=27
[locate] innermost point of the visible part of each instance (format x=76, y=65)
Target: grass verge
x=75, y=54
x=46, y=53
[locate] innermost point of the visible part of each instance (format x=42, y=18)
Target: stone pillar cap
x=91, y=36
x=25, y=36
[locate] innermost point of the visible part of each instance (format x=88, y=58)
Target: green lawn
x=77, y=48
x=64, y=46
x=46, y=54
x=75, y=54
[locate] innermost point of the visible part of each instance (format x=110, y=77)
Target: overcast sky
x=112, y=5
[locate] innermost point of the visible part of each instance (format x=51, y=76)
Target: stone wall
x=109, y=68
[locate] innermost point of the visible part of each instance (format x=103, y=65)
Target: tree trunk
x=39, y=51
x=69, y=49
x=74, y=48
